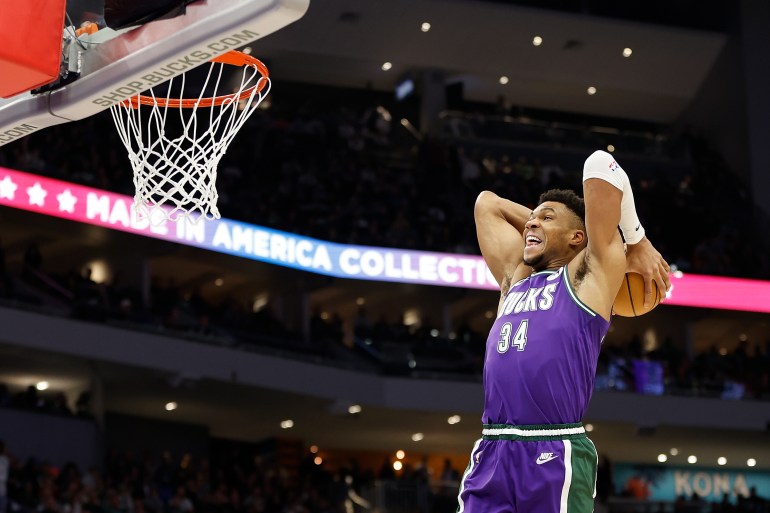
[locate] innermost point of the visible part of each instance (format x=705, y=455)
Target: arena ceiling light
x=260, y=302
x=537, y=41
x=691, y=459
x=425, y=26
x=171, y=406
x=314, y=449
x=627, y=52
x=454, y=419
x=287, y=424
x=411, y=316
x=354, y=409
x=397, y=465
x=417, y=437
x=674, y=451
x=400, y=454
x=503, y=80
x=385, y=113
x=662, y=458
x=751, y=462
x=721, y=461
x=589, y=427
x=591, y=90
x=386, y=65
x=42, y=385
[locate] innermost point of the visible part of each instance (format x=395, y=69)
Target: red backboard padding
x=30, y=52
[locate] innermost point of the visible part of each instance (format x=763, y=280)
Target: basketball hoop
x=175, y=160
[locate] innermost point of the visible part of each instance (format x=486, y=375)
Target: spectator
x=449, y=481
x=723, y=507
x=180, y=502
x=386, y=471
x=637, y=487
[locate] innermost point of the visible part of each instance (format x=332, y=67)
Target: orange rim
x=233, y=58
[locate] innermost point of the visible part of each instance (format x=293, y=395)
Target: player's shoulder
x=521, y=273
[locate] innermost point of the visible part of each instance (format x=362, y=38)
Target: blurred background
x=175, y=371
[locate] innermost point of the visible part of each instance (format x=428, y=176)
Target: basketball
x=630, y=299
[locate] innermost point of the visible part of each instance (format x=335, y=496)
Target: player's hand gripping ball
x=630, y=299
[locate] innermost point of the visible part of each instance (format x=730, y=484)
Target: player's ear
x=578, y=237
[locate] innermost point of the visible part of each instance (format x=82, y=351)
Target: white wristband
x=603, y=166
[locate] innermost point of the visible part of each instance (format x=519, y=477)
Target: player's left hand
x=644, y=259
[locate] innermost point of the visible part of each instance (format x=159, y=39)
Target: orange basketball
x=630, y=299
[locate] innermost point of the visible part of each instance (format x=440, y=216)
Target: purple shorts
x=530, y=469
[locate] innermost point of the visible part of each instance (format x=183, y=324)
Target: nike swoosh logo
x=541, y=461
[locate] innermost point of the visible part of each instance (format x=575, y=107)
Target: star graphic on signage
x=66, y=201
x=36, y=194
x=7, y=188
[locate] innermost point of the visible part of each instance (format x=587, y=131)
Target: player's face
x=546, y=234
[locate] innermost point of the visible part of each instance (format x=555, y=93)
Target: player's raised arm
x=610, y=203
x=604, y=189
x=499, y=227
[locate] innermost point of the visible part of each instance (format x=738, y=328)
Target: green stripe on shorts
x=581, y=490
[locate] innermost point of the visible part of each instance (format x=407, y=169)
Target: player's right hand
x=644, y=259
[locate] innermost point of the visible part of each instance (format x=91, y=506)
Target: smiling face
x=553, y=235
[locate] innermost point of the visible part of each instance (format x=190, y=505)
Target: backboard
x=113, y=65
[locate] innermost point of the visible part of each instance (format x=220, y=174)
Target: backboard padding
x=30, y=52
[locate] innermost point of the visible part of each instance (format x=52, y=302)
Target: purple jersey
x=541, y=354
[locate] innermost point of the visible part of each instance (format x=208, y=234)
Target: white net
x=175, y=144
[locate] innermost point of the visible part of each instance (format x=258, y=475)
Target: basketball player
x=559, y=268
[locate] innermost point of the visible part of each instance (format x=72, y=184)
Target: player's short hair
x=570, y=200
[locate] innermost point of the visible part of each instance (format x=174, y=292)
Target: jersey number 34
x=519, y=337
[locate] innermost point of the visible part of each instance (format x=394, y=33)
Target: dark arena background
x=320, y=348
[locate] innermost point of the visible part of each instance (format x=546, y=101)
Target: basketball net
x=175, y=171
